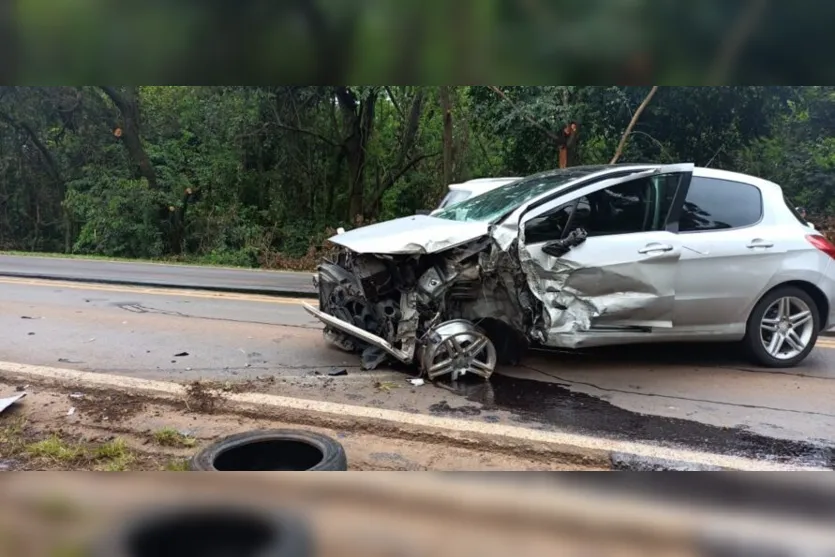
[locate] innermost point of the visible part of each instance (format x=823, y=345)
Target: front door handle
x=758, y=243
x=651, y=248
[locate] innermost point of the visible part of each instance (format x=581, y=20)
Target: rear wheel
x=783, y=328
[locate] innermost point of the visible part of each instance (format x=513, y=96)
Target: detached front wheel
x=783, y=328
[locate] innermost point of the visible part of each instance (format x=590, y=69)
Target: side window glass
x=621, y=209
x=548, y=226
x=713, y=204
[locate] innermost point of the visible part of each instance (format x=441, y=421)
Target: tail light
x=822, y=244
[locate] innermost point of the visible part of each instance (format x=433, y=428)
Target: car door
x=622, y=276
x=729, y=255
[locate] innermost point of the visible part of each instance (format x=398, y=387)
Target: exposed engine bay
x=454, y=312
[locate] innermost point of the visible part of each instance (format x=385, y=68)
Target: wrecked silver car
x=481, y=281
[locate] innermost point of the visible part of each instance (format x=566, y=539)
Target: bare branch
x=632, y=123
x=307, y=132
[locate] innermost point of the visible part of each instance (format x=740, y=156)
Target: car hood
x=419, y=234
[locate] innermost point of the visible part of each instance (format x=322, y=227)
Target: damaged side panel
x=609, y=281
x=602, y=284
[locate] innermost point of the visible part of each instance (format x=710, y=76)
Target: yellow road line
x=156, y=291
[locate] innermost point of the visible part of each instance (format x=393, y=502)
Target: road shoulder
x=513, y=448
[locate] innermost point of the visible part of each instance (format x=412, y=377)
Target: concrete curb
x=151, y=284
x=581, y=449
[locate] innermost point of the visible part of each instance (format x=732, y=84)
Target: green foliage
x=247, y=175
x=119, y=218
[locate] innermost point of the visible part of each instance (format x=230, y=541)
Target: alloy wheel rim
x=786, y=328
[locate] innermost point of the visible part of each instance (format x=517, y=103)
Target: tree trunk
x=403, y=163
x=127, y=102
x=51, y=167
x=446, y=109
x=358, y=125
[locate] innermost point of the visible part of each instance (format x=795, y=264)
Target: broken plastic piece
x=558, y=248
x=8, y=401
x=417, y=382
x=372, y=357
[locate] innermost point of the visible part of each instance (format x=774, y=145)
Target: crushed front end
x=454, y=312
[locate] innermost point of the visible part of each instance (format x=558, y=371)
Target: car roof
x=730, y=176
x=700, y=171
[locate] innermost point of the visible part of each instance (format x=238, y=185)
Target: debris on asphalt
x=385, y=385
x=181, y=355
x=77, y=396
x=71, y=411
x=29, y=317
x=8, y=401
x=89, y=340
x=338, y=372
x=30, y=334
x=417, y=382
x=68, y=361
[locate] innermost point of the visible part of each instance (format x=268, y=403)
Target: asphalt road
x=153, y=274
x=703, y=396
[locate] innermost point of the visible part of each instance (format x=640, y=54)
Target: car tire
x=203, y=530
x=276, y=449
x=754, y=343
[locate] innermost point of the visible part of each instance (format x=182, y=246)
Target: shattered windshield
x=492, y=205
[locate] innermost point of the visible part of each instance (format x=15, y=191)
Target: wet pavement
x=705, y=397
x=536, y=403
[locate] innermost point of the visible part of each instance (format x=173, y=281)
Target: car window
x=794, y=212
x=549, y=225
x=713, y=204
x=622, y=209
x=634, y=206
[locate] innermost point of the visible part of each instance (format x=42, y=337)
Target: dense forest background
x=259, y=175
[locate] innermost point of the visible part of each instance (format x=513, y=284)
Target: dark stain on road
x=444, y=409
x=535, y=402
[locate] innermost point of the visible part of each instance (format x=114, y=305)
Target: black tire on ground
x=277, y=449
x=752, y=343
x=201, y=530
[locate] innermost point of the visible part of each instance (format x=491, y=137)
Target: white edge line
x=577, y=441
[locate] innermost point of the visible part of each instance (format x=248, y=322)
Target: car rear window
x=794, y=212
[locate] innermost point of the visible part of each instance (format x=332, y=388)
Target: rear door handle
x=651, y=248
x=753, y=244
